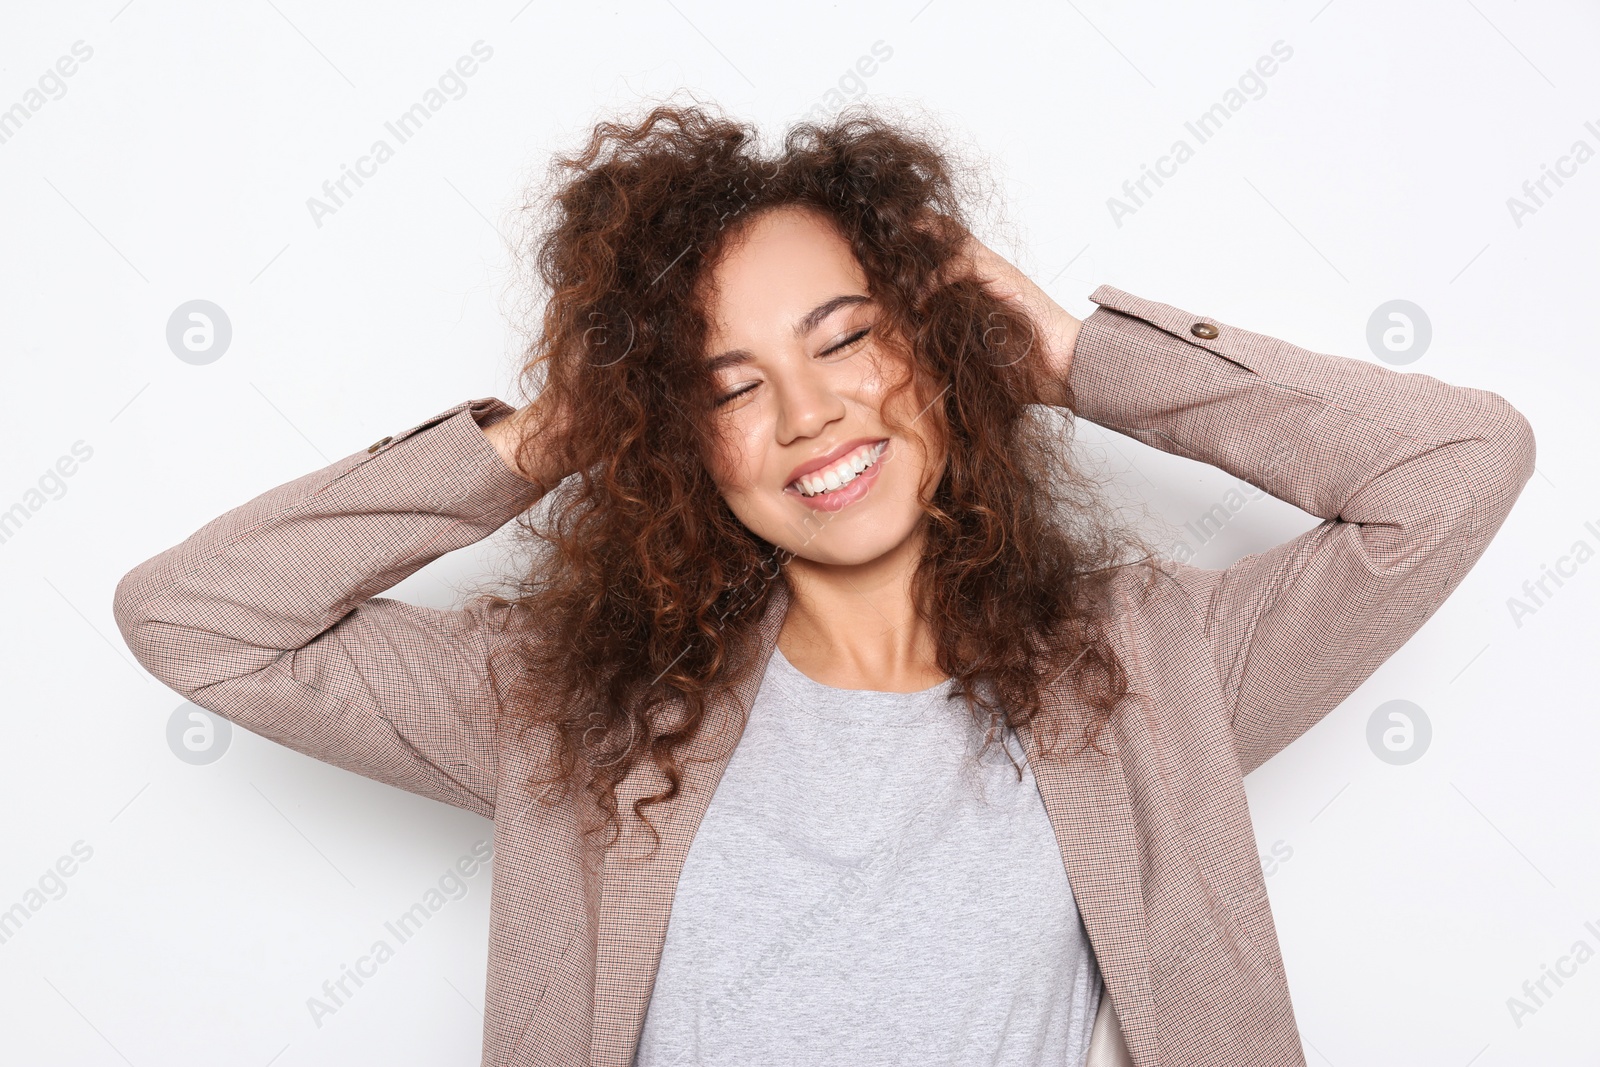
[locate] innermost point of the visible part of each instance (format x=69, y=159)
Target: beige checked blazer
x=269, y=616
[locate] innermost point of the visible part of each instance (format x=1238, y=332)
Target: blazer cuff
x=1309, y=428
x=459, y=460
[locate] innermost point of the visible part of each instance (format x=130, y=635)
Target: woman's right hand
x=1009, y=285
x=540, y=422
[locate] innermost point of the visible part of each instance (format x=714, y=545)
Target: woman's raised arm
x=268, y=614
x=1411, y=476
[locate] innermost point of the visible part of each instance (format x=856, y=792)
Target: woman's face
x=802, y=369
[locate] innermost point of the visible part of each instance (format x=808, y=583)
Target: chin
x=829, y=539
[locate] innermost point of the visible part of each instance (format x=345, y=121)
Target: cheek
x=736, y=466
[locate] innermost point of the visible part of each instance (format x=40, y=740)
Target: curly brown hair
x=645, y=589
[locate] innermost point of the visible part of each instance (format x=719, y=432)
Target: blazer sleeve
x=1411, y=477
x=267, y=615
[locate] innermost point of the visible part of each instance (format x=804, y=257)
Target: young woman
x=834, y=721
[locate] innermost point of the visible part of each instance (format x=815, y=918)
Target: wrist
x=1060, y=342
x=505, y=436
x=1066, y=344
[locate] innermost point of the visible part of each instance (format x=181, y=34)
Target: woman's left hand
x=1059, y=327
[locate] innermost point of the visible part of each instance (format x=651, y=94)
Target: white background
x=176, y=165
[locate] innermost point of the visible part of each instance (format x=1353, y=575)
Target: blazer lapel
x=636, y=884
x=1086, y=797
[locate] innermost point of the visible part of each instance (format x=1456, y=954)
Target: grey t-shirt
x=861, y=892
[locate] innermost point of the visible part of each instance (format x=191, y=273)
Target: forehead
x=778, y=266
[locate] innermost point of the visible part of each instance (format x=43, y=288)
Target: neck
x=856, y=626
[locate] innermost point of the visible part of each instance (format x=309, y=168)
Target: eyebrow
x=806, y=323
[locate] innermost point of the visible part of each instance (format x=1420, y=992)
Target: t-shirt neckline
x=857, y=705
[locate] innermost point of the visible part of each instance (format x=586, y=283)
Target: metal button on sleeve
x=1203, y=329
x=379, y=444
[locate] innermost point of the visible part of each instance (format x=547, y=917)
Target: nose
x=807, y=401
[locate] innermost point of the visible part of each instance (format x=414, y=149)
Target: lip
x=843, y=497
x=829, y=458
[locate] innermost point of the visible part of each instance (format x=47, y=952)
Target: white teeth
x=840, y=474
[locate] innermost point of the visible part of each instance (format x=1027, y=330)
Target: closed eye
x=859, y=335
x=849, y=342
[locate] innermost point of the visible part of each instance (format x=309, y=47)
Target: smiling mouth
x=841, y=474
